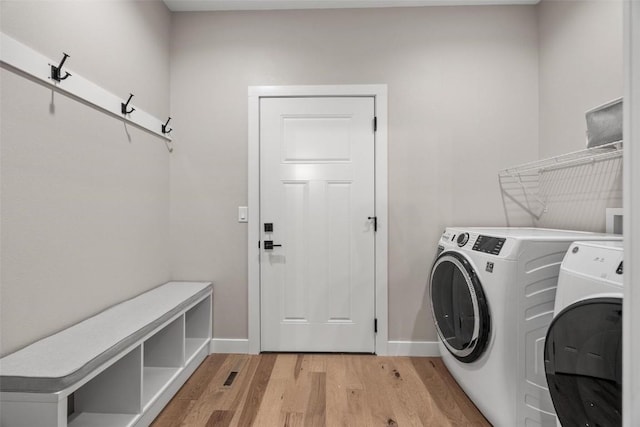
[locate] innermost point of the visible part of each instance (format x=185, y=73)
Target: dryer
x=583, y=349
x=492, y=297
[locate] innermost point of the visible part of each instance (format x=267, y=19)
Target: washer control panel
x=488, y=244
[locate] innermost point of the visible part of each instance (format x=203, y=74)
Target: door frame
x=631, y=219
x=379, y=94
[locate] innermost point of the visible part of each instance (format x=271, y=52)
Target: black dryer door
x=583, y=363
x=459, y=307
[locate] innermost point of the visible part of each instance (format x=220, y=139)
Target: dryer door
x=459, y=307
x=583, y=363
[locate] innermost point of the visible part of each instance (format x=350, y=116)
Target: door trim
x=631, y=219
x=379, y=93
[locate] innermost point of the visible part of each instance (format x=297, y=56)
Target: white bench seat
x=70, y=358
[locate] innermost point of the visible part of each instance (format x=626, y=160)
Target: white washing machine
x=492, y=298
x=583, y=349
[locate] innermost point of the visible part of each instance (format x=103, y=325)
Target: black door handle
x=268, y=245
x=375, y=222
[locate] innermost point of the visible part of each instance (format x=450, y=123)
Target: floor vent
x=230, y=378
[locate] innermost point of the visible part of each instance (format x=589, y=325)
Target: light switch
x=243, y=215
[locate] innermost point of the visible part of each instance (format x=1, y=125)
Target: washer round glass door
x=583, y=363
x=459, y=307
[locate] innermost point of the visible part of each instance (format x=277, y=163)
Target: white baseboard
x=394, y=348
x=413, y=348
x=229, y=345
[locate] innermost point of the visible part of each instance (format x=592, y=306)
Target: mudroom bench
x=117, y=368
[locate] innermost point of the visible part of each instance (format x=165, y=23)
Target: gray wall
x=84, y=199
x=581, y=67
x=463, y=103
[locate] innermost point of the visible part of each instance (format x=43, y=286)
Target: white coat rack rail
x=19, y=58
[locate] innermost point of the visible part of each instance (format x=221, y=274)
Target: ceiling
x=207, y=5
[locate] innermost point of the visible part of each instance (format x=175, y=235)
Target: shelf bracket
x=527, y=192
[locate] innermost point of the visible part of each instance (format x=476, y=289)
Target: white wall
x=631, y=307
x=463, y=103
x=84, y=198
x=581, y=67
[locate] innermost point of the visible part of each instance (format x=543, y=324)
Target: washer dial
x=463, y=238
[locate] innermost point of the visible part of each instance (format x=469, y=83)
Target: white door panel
x=317, y=189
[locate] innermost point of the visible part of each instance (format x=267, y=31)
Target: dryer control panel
x=488, y=244
x=595, y=260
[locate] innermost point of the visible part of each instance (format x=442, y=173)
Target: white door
x=317, y=192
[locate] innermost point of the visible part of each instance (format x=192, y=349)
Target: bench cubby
x=197, y=327
x=111, y=398
x=163, y=359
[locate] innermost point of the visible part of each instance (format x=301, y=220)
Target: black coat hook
x=56, y=71
x=123, y=106
x=164, y=127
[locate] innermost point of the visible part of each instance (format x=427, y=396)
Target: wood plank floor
x=320, y=390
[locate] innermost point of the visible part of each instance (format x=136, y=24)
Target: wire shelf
x=587, y=155
x=526, y=177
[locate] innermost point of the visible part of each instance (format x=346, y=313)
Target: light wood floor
x=320, y=390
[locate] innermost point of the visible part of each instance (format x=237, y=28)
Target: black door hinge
x=375, y=325
x=375, y=124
